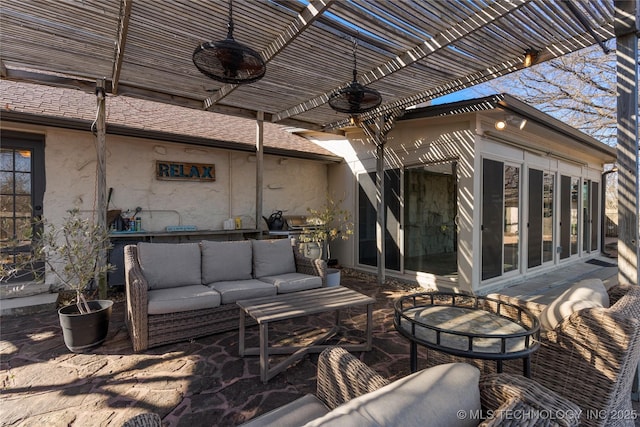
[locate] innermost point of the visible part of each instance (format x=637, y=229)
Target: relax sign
x=185, y=171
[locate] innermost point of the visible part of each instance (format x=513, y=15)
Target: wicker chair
x=590, y=357
x=342, y=377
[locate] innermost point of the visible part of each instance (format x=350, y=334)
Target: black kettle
x=275, y=221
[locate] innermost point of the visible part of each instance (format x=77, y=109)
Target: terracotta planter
x=84, y=331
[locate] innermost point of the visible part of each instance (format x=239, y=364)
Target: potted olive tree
x=325, y=225
x=72, y=253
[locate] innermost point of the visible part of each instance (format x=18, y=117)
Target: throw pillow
x=272, y=257
x=587, y=293
x=224, y=261
x=167, y=265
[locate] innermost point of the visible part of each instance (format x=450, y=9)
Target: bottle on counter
x=138, y=224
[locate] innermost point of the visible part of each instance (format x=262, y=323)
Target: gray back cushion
x=167, y=265
x=223, y=261
x=271, y=257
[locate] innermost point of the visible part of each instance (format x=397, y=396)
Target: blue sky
x=464, y=94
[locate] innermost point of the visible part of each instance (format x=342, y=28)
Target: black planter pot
x=84, y=331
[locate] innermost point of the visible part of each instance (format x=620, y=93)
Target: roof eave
x=85, y=125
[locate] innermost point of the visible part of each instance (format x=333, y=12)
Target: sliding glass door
x=500, y=228
x=430, y=232
x=540, y=229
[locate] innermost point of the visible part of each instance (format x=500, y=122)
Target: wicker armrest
x=534, y=307
x=618, y=291
x=512, y=399
x=342, y=377
x=314, y=267
x=136, y=289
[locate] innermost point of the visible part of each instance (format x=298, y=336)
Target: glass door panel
x=511, y=245
x=534, y=225
x=547, y=217
x=430, y=233
x=492, y=218
x=575, y=194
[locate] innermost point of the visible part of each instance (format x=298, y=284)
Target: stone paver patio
x=199, y=383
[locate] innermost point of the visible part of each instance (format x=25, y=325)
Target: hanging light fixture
x=229, y=61
x=355, y=98
x=530, y=57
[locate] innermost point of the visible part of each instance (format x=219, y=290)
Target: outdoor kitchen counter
x=149, y=236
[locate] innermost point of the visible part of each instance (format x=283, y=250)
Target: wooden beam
x=259, y=166
x=148, y=94
x=101, y=178
x=626, y=28
x=313, y=10
x=454, y=33
x=123, y=28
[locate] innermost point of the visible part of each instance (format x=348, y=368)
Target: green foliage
x=72, y=252
x=327, y=223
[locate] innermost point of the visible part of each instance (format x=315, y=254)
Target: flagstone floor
x=199, y=383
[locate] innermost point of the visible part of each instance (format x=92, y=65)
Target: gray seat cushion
x=236, y=290
x=295, y=413
x=432, y=397
x=223, y=261
x=183, y=298
x=272, y=257
x=293, y=282
x=168, y=265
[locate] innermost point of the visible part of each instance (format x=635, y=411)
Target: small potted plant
x=325, y=225
x=71, y=252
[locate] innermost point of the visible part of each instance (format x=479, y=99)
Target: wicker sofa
x=180, y=291
x=587, y=353
x=349, y=393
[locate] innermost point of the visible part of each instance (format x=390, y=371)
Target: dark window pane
x=23, y=160
x=23, y=206
x=6, y=183
x=6, y=229
x=565, y=216
x=492, y=224
x=6, y=159
x=534, y=248
x=23, y=183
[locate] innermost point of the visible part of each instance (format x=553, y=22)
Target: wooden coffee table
x=293, y=305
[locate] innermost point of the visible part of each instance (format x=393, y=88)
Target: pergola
x=411, y=51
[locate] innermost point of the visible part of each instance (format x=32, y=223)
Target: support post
x=259, y=166
x=627, y=27
x=101, y=184
x=626, y=30
x=380, y=208
x=379, y=136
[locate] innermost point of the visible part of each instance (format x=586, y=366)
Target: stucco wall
x=409, y=143
x=467, y=139
x=290, y=184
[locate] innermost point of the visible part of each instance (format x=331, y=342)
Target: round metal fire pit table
x=468, y=326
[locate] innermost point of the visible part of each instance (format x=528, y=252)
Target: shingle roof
x=36, y=103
